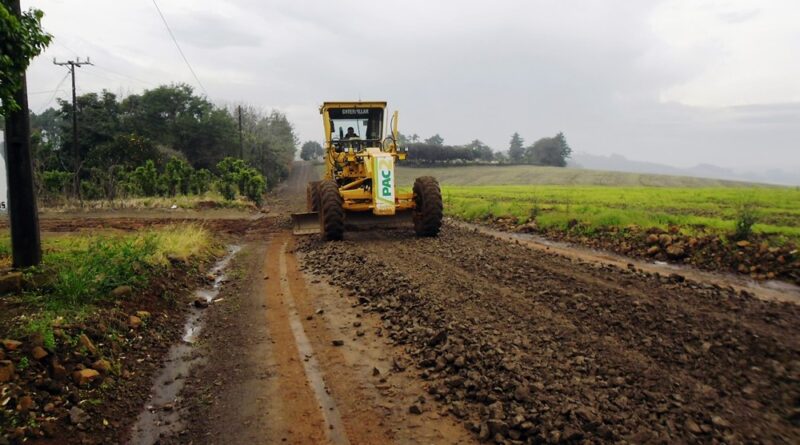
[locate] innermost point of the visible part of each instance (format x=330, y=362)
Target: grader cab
x=359, y=188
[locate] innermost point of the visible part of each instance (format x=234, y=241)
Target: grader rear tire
x=428, y=208
x=312, y=196
x=331, y=214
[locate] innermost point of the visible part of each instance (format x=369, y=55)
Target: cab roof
x=359, y=104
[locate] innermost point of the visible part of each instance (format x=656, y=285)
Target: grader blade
x=305, y=223
x=367, y=220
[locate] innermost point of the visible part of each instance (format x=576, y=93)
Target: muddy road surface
x=385, y=338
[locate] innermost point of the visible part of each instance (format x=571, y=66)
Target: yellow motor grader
x=359, y=188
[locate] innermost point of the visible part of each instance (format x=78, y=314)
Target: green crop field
x=776, y=210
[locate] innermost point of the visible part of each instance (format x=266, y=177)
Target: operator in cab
x=351, y=133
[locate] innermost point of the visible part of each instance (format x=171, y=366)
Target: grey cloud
x=472, y=69
x=212, y=31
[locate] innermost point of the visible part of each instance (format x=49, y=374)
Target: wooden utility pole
x=23, y=214
x=241, y=141
x=76, y=154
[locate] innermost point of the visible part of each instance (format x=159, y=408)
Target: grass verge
x=81, y=270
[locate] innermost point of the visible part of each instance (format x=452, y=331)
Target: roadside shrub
x=56, y=182
x=743, y=226
x=227, y=189
x=201, y=181
x=177, y=175
x=91, y=190
x=254, y=185
x=145, y=177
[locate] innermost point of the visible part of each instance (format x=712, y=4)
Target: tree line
x=552, y=151
x=164, y=141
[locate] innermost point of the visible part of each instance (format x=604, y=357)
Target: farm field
x=712, y=224
x=776, y=211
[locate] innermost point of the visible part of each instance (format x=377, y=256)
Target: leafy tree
x=146, y=178
x=173, y=116
x=54, y=183
x=177, y=176
x=552, y=151
x=481, y=151
x=311, y=150
x=98, y=119
x=21, y=39
x=235, y=173
x=435, y=140
x=122, y=150
x=165, y=122
x=201, y=181
x=254, y=185
x=516, y=150
x=275, y=145
x=424, y=153
x=229, y=174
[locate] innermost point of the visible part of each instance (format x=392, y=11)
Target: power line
x=124, y=75
x=179, y=48
x=58, y=88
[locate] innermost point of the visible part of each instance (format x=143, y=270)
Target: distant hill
x=531, y=174
x=620, y=163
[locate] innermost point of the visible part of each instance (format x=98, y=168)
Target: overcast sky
x=679, y=82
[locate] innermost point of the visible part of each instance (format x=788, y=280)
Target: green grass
x=715, y=209
x=79, y=270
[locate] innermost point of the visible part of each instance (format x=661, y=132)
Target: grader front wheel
x=312, y=196
x=428, y=206
x=331, y=211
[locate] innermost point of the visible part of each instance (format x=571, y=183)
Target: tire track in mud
x=571, y=351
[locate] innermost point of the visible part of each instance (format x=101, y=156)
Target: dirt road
x=385, y=338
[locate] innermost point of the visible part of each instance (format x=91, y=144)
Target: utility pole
x=76, y=181
x=241, y=141
x=22, y=210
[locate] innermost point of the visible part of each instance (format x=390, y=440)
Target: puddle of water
x=161, y=414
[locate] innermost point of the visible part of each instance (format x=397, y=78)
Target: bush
x=254, y=185
x=177, y=176
x=237, y=174
x=145, y=178
x=55, y=182
x=201, y=181
x=227, y=189
x=743, y=226
x=90, y=190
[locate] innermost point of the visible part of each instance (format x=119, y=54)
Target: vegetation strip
x=85, y=331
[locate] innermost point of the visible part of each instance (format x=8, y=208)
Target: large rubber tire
x=331, y=214
x=428, y=208
x=312, y=196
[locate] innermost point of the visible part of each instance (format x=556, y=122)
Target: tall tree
x=435, y=140
x=552, y=151
x=481, y=151
x=311, y=150
x=516, y=149
x=21, y=39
